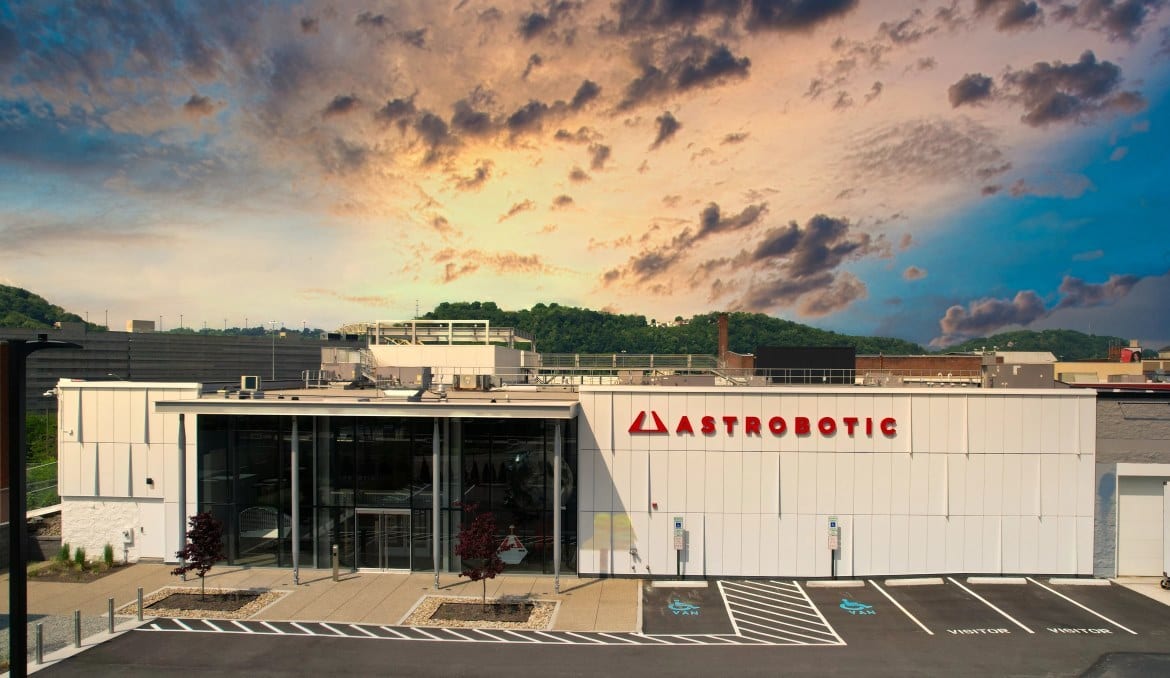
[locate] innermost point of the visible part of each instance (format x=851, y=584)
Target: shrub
x=108, y=555
x=79, y=557
x=62, y=554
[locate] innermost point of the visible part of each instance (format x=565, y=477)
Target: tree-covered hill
x=23, y=309
x=567, y=329
x=1064, y=344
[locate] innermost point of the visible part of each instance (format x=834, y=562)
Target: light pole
x=12, y=473
x=273, y=323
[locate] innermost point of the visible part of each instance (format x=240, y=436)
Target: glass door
x=383, y=540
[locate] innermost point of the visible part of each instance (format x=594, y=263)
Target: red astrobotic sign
x=777, y=426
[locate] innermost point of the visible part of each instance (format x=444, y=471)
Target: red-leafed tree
x=478, y=548
x=204, y=548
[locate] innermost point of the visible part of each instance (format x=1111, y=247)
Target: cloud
x=821, y=245
x=687, y=63
x=373, y=300
x=562, y=202
x=516, y=209
x=754, y=15
x=735, y=138
x=913, y=273
x=1089, y=255
x=468, y=120
x=534, y=60
x=973, y=88
x=433, y=131
x=906, y=31
x=1079, y=294
x=1011, y=15
x=1119, y=153
x=598, y=155
x=712, y=221
x=1057, y=186
x=588, y=91
x=578, y=175
x=9, y=45
x=794, y=15
x=369, y=19
x=341, y=104
x=989, y=315
x=1119, y=19
x=340, y=156
x=198, y=106
x=929, y=150
x=461, y=263
x=444, y=227
x=1058, y=92
x=874, y=92
x=483, y=170
x=668, y=126
x=397, y=110
x=985, y=316
x=310, y=24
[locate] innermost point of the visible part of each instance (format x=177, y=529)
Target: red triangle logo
x=637, y=426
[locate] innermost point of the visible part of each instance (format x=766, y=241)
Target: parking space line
x=247, y=629
x=273, y=627
x=213, y=626
x=592, y=640
x=371, y=634
x=782, y=623
x=428, y=635
x=773, y=591
x=553, y=637
x=326, y=626
x=527, y=639
x=307, y=631
x=763, y=604
x=988, y=604
x=624, y=640
x=790, y=636
x=400, y=634
x=727, y=606
x=1082, y=606
x=818, y=611
x=899, y=605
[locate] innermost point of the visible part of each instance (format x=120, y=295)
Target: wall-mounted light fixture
x=150, y=481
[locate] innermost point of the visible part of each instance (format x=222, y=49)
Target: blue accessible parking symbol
x=854, y=607
x=678, y=607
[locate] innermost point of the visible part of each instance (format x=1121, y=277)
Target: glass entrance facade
x=366, y=485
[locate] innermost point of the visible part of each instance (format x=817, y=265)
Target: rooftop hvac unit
x=250, y=384
x=466, y=382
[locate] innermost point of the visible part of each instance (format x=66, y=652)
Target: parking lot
x=940, y=609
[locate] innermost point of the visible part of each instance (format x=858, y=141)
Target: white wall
x=974, y=481
x=110, y=441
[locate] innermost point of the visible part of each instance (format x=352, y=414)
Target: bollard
x=40, y=646
x=336, y=563
x=139, y=603
x=77, y=628
x=111, y=608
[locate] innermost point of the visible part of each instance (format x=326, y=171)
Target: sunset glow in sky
x=928, y=170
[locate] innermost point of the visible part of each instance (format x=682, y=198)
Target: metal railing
x=42, y=485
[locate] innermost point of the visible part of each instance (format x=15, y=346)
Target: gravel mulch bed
x=439, y=610
x=176, y=601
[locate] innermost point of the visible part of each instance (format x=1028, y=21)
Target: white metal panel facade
x=1140, y=526
x=117, y=456
x=976, y=481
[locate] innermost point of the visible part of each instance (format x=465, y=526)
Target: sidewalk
x=359, y=597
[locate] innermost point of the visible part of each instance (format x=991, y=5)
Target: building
x=601, y=470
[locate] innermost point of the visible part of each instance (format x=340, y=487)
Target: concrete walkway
x=372, y=598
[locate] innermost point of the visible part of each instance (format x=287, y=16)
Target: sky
x=933, y=170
